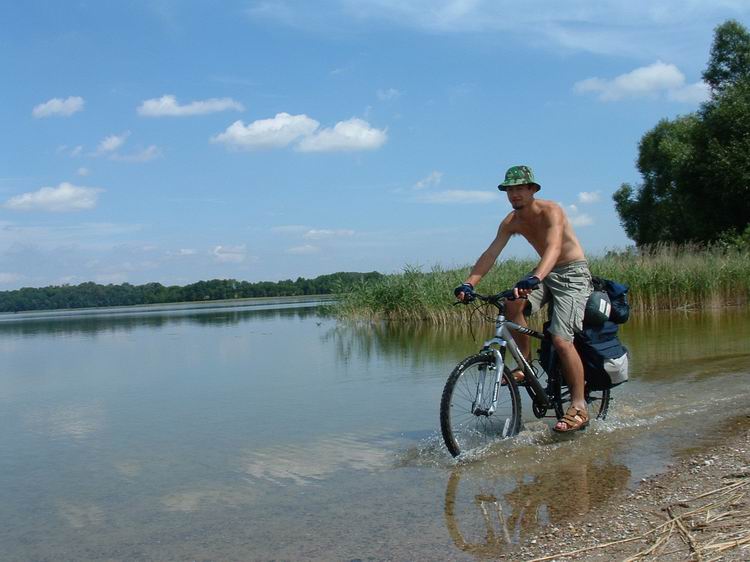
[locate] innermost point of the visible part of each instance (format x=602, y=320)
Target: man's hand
x=464, y=292
x=525, y=286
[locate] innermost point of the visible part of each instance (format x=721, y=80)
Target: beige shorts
x=566, y=288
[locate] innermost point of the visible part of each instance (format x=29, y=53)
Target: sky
x=176, y=141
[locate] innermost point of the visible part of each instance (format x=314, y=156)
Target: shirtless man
x=562, y=275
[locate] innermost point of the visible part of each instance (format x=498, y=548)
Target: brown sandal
x=575, y=419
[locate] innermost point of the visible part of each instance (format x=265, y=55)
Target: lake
x=275, y=432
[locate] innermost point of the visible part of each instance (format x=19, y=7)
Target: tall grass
x=660, y=278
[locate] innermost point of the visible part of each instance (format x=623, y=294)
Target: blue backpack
x=604, y=358
x=618, y=298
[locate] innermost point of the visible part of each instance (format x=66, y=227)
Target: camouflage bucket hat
x=519, y=175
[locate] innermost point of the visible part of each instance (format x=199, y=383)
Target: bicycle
x=481, y=400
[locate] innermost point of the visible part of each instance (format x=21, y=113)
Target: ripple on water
x=636, y=408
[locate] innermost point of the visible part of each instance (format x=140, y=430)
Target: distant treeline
x=88, y=295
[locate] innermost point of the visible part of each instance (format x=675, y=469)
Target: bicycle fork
x=476, y=406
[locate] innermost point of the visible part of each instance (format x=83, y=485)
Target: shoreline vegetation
x=93, y=295
x=662, y=277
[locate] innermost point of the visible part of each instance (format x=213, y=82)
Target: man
x=562, y=275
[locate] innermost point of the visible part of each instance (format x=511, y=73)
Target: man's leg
x=514, y=311
x=572, y=369
x=570, y=287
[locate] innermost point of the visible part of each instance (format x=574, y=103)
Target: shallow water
x=282, y=434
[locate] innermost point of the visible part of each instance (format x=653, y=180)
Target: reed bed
x=664, y=277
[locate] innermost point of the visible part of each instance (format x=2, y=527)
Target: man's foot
x=574, y=419
x=518, y=375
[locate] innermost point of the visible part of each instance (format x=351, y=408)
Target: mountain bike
x=481, y=401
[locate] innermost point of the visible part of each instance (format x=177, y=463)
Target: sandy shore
x=699, y=509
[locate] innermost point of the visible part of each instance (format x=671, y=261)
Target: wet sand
x=636, y=520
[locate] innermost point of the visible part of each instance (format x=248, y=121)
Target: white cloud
x=432, y=180
x=645, y=28
x=186, y=252
x=278, y=11
x=308, y=233
x=577, y=218
x=9, y=278
x=110, y=147
x=230, y=254
x=83, y=171
x=59, y=107
x=289, y=229
x=354, y=134
x=454, y=196
x=587, y=197
x=277, y=132
x=167, y=106
x=114, y=278
x=388, y=95
x=112, y=143
x=65, y=197
x=647, y=81
x=319, y=234
x=73, y=152
x=145, y=155
x=284, y=129
x=305, y=250
x=692, y=93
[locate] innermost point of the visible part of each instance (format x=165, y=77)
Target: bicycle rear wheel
x=465, y=420
x=597, y=400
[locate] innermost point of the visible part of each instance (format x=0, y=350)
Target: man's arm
x=488, y=257
x=553, y=241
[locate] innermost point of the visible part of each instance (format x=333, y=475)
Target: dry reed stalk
x=661, y=540
x=686, y=536
x=723, y=497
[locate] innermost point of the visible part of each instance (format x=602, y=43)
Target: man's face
x=520, y=195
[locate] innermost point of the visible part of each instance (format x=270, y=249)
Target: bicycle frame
x=504, y=340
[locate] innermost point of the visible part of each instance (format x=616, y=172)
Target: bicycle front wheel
x=469, y=417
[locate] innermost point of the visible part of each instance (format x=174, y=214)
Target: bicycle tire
x=462, y=428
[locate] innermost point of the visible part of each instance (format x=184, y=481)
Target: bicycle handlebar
x=495, y=299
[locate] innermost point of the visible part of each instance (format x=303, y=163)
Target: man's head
x=520, y=186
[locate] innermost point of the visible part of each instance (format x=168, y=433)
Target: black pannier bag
x=618, y=298
x=605, y=359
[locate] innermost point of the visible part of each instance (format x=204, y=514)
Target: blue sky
x=175, y=141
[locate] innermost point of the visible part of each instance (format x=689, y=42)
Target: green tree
x=729, y=61
x=696, y=168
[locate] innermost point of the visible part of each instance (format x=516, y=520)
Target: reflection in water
x=314, y=461
x=91, y=325
x=485, y=510
x=72, y=421
x=190, y=501
x=130, y=468
x=415, y=341
x=705, y=343
x=660, y=344
x=81, y=515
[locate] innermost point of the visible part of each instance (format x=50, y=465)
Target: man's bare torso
x=534, y=225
